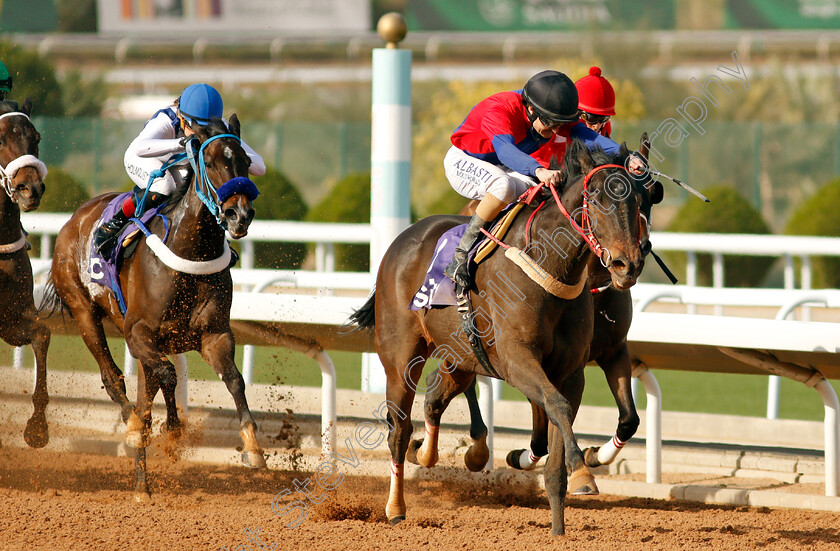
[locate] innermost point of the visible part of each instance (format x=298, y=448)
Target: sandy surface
x=59, y=500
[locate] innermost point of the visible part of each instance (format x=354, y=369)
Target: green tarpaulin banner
x=783, y=14
x=538, y=15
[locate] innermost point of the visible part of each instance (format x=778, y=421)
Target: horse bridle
x=585, y=228
x=8, y=172
x=209, y=195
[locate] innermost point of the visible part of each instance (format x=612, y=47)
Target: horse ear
x=27, y=107
x=644, y=146
x=623, y=152
x=233, y=125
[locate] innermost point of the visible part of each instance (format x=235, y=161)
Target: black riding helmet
x=553, y=96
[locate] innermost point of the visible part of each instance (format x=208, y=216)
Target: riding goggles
x=594, y=119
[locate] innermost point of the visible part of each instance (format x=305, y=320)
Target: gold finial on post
x=392, y=28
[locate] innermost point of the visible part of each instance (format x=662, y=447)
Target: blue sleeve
x=513, y=157
x=592, y=139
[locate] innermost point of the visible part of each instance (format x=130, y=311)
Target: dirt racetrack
x=61, y=500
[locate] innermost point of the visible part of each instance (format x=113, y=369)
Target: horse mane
x=571, y=163
x=9, y=106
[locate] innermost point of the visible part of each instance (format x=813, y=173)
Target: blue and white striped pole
x=390, y=158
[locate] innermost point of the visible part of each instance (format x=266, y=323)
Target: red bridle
x=585, y=227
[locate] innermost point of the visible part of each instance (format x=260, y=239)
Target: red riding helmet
x=595, y=94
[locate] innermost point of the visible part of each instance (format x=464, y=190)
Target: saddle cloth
x=437, y=289
x=105, y=271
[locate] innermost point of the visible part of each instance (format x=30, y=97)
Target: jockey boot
x=457, y=269
x=105, y=237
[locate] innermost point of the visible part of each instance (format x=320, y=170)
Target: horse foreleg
x=139, y=428
x=36, y=434
x=617, y=369
x=218, y=350
x=555, y=480
x=141, y=343
x=526, y=460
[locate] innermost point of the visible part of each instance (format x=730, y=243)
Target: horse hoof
x=254, y=459
x=142, y=497
x=411, y=452
x=590, y=457
x=476, y=458
x=134, y=439
x=396, y=520
x=582, y=483
x=512, y=459
x=36, y=433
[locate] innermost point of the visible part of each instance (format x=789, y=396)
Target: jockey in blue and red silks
x=162, y=138
x=506, y=144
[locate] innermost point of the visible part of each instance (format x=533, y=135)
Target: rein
x=8, y=172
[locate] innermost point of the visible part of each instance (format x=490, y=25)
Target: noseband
x=8, y=172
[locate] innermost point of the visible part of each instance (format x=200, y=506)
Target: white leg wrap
x=528, y=461
x=608, y=452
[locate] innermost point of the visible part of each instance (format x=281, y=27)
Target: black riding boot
x=457, y=269
x=105, y=237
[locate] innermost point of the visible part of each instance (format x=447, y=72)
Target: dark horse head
x=22, y=174
x=611, y=212
x=225, y=164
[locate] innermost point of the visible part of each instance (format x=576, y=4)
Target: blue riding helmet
x=200, y=103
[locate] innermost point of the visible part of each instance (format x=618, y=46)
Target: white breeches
x=474, y=178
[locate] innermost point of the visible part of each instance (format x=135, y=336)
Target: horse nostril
x=618, y=266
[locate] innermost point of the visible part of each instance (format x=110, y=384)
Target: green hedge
x=348, y=201
x=278, y=200
x=728, y=212
x=818, y=216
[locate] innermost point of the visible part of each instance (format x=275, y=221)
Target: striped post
x=390, y=157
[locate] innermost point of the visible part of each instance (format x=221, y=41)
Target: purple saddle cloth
x=437, y=289
x=105, y=271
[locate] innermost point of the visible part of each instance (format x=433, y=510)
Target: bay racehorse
x=22, y=175
x=613, y=313
x=532, y=314
x=177, y=296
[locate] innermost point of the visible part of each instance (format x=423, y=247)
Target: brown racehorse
x=535, y=340
x=613, y=314
x=168, y=310
x=22, y=176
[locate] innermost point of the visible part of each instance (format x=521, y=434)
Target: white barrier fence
x=330, y=311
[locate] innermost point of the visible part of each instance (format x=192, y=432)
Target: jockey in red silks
x=596, y=101
x=163, y=137
x=506, y=144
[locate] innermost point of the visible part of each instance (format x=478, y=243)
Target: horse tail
x=51, y=302
x=364, y=317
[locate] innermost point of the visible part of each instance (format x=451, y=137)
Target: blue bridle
x=205, y=190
